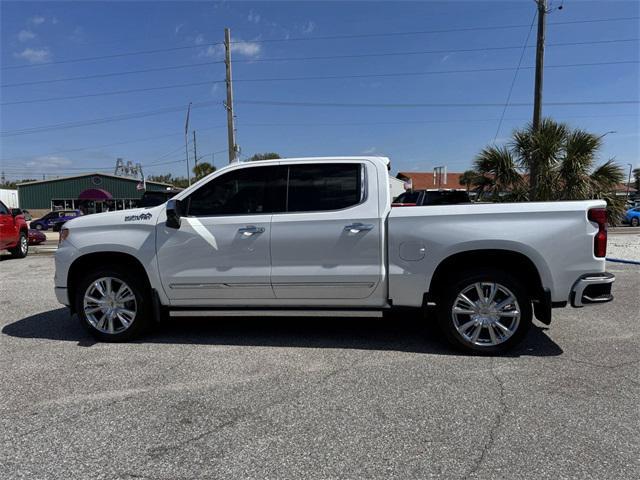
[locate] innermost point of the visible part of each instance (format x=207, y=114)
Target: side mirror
x=174, y=212
x=16, y=211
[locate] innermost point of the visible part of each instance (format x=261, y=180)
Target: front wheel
x=113, y=304
x=484, y=310
x=22, y=248
x=38, y=226
x=635, y=221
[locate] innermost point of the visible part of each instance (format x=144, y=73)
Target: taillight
x=599, y=216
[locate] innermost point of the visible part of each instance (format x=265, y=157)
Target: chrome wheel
x=24, y=245
x=110, y=305
x=486, y=314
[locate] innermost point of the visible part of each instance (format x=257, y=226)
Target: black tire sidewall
x=456, y=283
x=635, y=222
x=16, y=251
x=140, y=322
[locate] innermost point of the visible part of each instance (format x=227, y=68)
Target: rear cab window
x=322, y=187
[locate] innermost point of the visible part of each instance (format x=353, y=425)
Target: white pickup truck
x=318, y=237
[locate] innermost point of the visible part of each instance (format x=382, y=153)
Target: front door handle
x=250, y=230
x=358, y=227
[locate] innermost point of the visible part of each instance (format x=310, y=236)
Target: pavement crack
x=495, y=426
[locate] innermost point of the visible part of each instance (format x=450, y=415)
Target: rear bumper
x=592, y=288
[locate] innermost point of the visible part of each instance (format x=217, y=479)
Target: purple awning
x=94, y=194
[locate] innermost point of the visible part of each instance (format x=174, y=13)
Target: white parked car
x=318, y=237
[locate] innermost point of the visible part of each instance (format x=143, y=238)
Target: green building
x=91, y=193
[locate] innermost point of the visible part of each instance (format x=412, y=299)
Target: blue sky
x=34, y=34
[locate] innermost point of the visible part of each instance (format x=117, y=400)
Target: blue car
x=50, y=219
x=633, y=216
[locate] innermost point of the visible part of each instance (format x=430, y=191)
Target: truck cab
x=13, y=231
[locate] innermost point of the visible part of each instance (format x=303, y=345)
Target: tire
x=635, y=221
x=493, y=332
x=22, y=248
x=38, y=226
x=107, y=320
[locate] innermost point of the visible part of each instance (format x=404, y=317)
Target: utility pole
x=231, y=133
x=537, y=100
x=195, y=151
x=186, y=143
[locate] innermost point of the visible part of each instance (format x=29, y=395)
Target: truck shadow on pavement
x=403, y=333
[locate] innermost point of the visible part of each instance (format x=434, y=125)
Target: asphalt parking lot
x=311, y=398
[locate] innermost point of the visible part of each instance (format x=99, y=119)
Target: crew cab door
x=221, y=253
x=327, y=246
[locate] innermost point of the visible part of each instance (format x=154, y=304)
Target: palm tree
x=565, y=162
x=467, y=179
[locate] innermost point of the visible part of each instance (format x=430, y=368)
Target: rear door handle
x=358, y=227
x=250, y=230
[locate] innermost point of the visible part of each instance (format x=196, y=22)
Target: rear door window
x=321, y=187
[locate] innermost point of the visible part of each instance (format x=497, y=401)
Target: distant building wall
x=9, y=197
x=38, y=195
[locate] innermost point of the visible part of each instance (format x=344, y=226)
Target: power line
x=110, y=74
x=329, y=37
x=97, y=121
x=320, y=57
x=426, y=105
x=318, y=77
x=515, y=76
x=424, y=32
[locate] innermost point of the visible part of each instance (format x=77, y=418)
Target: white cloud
x=178, y=28
x=37, y=20
x=49, y=161
x=239, y=47
x=34, y=55
x=309, y=27
x=199, y=40
x=369, y=151
x=249, y=49
x=253, y=17
x=26, y=35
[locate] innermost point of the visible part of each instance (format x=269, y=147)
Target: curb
x=622, y=260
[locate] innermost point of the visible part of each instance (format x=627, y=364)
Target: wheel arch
x=86, y=262
x=515, y=263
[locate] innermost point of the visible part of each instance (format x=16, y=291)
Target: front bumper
x=62, y=295
x=592, y=288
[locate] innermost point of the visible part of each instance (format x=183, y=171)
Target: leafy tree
x=264, y=156
x=180, y=182
x=636, y=177
x=566, y=168
x=203, y=169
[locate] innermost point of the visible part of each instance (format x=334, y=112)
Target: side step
x=275, y=313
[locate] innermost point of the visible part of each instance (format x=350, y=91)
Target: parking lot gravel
x=314, y=398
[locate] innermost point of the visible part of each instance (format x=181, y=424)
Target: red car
x=36, y=237
x=14, y=234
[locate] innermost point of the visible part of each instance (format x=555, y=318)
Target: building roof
x=100, y=174
x=428, y=180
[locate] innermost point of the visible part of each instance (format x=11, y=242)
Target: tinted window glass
x=445, y=198
x=408, y=197
x=3, y=209
x=246, y=191
x=323, y=187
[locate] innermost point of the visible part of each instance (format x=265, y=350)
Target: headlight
x=64, y=233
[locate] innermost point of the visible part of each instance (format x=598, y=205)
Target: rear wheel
x=113, y=304
x=38, y=226
x=22, y=248
x=484, y=310
x=635, y=221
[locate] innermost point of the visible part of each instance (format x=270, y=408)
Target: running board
x=275, y=313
